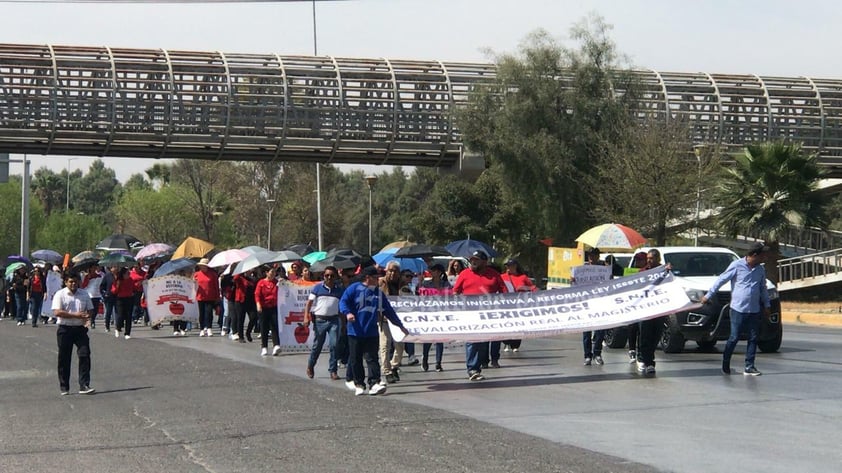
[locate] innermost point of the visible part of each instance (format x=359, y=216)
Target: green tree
x=136, y=182
x=651, y=177
x=544, y=121
x=209, y=184
x=771, y=187
x=69, y=232
x=50, y=189
x=95, y=192
x=10, y=195
x=158, y=216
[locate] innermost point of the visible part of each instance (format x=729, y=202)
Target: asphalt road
x=198, y=404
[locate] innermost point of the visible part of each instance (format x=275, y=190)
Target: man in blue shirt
x=364, y=305
x=322, y=308
x=749, y=298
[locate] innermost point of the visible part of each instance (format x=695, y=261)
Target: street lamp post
x=697, y=152
x=67, y=197
x=271, y=203
x=370, y=180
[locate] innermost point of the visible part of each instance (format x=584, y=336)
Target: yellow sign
x=560, y=262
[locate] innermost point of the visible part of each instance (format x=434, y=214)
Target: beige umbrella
x=192, y=248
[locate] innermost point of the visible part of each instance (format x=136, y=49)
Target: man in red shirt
x=478, y=279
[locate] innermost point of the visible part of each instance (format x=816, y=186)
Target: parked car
x=696, y=268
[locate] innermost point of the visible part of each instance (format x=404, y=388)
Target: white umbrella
x=228, y=257
x=264, y=257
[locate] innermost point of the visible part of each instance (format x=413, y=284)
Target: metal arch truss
x=151, y=103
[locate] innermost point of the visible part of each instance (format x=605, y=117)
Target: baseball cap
x=479, y=254
x=757, y=248
x=370, y=271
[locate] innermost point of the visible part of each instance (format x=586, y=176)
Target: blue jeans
x=592, y=343
x=738, y=321
x=324, y=327
x=109, y=304
x=21, y=306
x=36, y=302
x=425, y=350
x=206, y=314
x=475, y=354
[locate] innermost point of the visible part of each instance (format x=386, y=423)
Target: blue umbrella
x=465, y=248
x=18, y=258
x=174, y=266
x=49, y=256
x=416, y=265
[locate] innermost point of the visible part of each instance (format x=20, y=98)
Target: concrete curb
x=812, y=318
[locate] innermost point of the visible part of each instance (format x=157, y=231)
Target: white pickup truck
x=696, y=268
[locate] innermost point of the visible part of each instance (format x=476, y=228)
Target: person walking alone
x=749, y=299
x=73, y=310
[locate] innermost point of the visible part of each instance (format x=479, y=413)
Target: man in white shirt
x=73, y=309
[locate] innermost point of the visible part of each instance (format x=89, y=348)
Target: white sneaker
x=202, y=333
x=378, y=388
x=350, y=385
x=506, y=348
x=358, y=391
x=116, y=334
x=235, y=337
x=515, y=350
x=175, y=333
x=264, y=352
x=210, y=332
x=183, y=333
x=223, y=333
x=276, y=351
x=128, y=337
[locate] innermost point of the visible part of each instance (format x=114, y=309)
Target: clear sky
x=769, y=37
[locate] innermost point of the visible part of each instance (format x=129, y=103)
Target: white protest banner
x=171, y=298
x=612, y=303
x=291, y=299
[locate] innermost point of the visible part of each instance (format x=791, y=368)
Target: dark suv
x=696, y=268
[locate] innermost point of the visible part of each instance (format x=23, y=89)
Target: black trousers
x=67, y=337
x=269, y=320
x=125, y=306
x=650, y=335
x=367, y=348
x=241, y=309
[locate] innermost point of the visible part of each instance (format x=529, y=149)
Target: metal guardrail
x=826, y=263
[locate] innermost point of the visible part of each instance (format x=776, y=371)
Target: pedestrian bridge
x=158, y=103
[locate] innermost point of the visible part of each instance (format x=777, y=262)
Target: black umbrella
x=422, y=251
x=85, y=264
x=118, y=242
x=118, y=259
x=301, y=248
x=337, y=261
x=346, y=252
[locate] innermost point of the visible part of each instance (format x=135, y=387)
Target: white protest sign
x=170, y=298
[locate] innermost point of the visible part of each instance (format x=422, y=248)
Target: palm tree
x=771, y=188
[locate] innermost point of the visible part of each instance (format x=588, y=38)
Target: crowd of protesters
x=348, y=308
